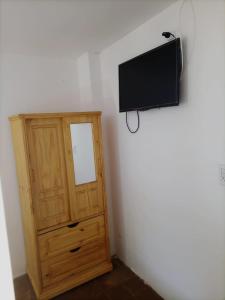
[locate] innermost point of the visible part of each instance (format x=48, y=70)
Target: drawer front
x=73, y=261
x=58, y=241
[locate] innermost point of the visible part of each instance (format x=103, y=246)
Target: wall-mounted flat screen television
x=151, y=79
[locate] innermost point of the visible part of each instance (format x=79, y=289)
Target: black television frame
x=178, y=73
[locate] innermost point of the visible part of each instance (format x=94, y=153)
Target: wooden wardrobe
x=61, y=183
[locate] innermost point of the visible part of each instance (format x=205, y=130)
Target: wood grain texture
x=48, y=172
x=69, y=237
x=86, y=200
x=75, y=280
x=23, y=175
x=54, y=115
x=73, y=261
x=65, y=225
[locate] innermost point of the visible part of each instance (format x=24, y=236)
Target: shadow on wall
x=111, y=128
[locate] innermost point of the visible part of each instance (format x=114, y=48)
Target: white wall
x=84, y=79
x=167, y=203
x=89, y=81
x=28, y=84
x=6, y=282
x=165, y=197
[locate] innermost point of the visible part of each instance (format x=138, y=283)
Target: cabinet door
x=49, y=186
x=84, y=165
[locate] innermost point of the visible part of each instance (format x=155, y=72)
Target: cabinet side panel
x=22, y=167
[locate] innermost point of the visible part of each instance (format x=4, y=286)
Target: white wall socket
x=222, y=174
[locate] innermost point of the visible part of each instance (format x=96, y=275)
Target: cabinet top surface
x=52, y=115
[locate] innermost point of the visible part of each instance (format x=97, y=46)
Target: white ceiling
x=70, y=27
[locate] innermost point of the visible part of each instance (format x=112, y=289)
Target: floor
x=121, y=283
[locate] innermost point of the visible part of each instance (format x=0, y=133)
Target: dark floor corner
x=121, y=283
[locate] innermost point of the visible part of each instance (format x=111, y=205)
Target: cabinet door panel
x=86, y=199
x=48, y=172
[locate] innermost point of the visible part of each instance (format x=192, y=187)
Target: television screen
x=151, y=79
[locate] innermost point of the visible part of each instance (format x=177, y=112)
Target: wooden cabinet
x=61, y=182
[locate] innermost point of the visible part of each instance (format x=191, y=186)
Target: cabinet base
x=73, y=281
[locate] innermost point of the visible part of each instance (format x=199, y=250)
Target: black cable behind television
x=151, y=79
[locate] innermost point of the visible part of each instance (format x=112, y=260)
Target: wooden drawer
x=73, y=261
x=58, y=241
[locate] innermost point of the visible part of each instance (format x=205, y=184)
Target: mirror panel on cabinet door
x=84, y=166
x=83, y=153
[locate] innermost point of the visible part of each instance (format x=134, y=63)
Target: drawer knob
x=73, y=225
x=75, y=250
x=81, y=229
